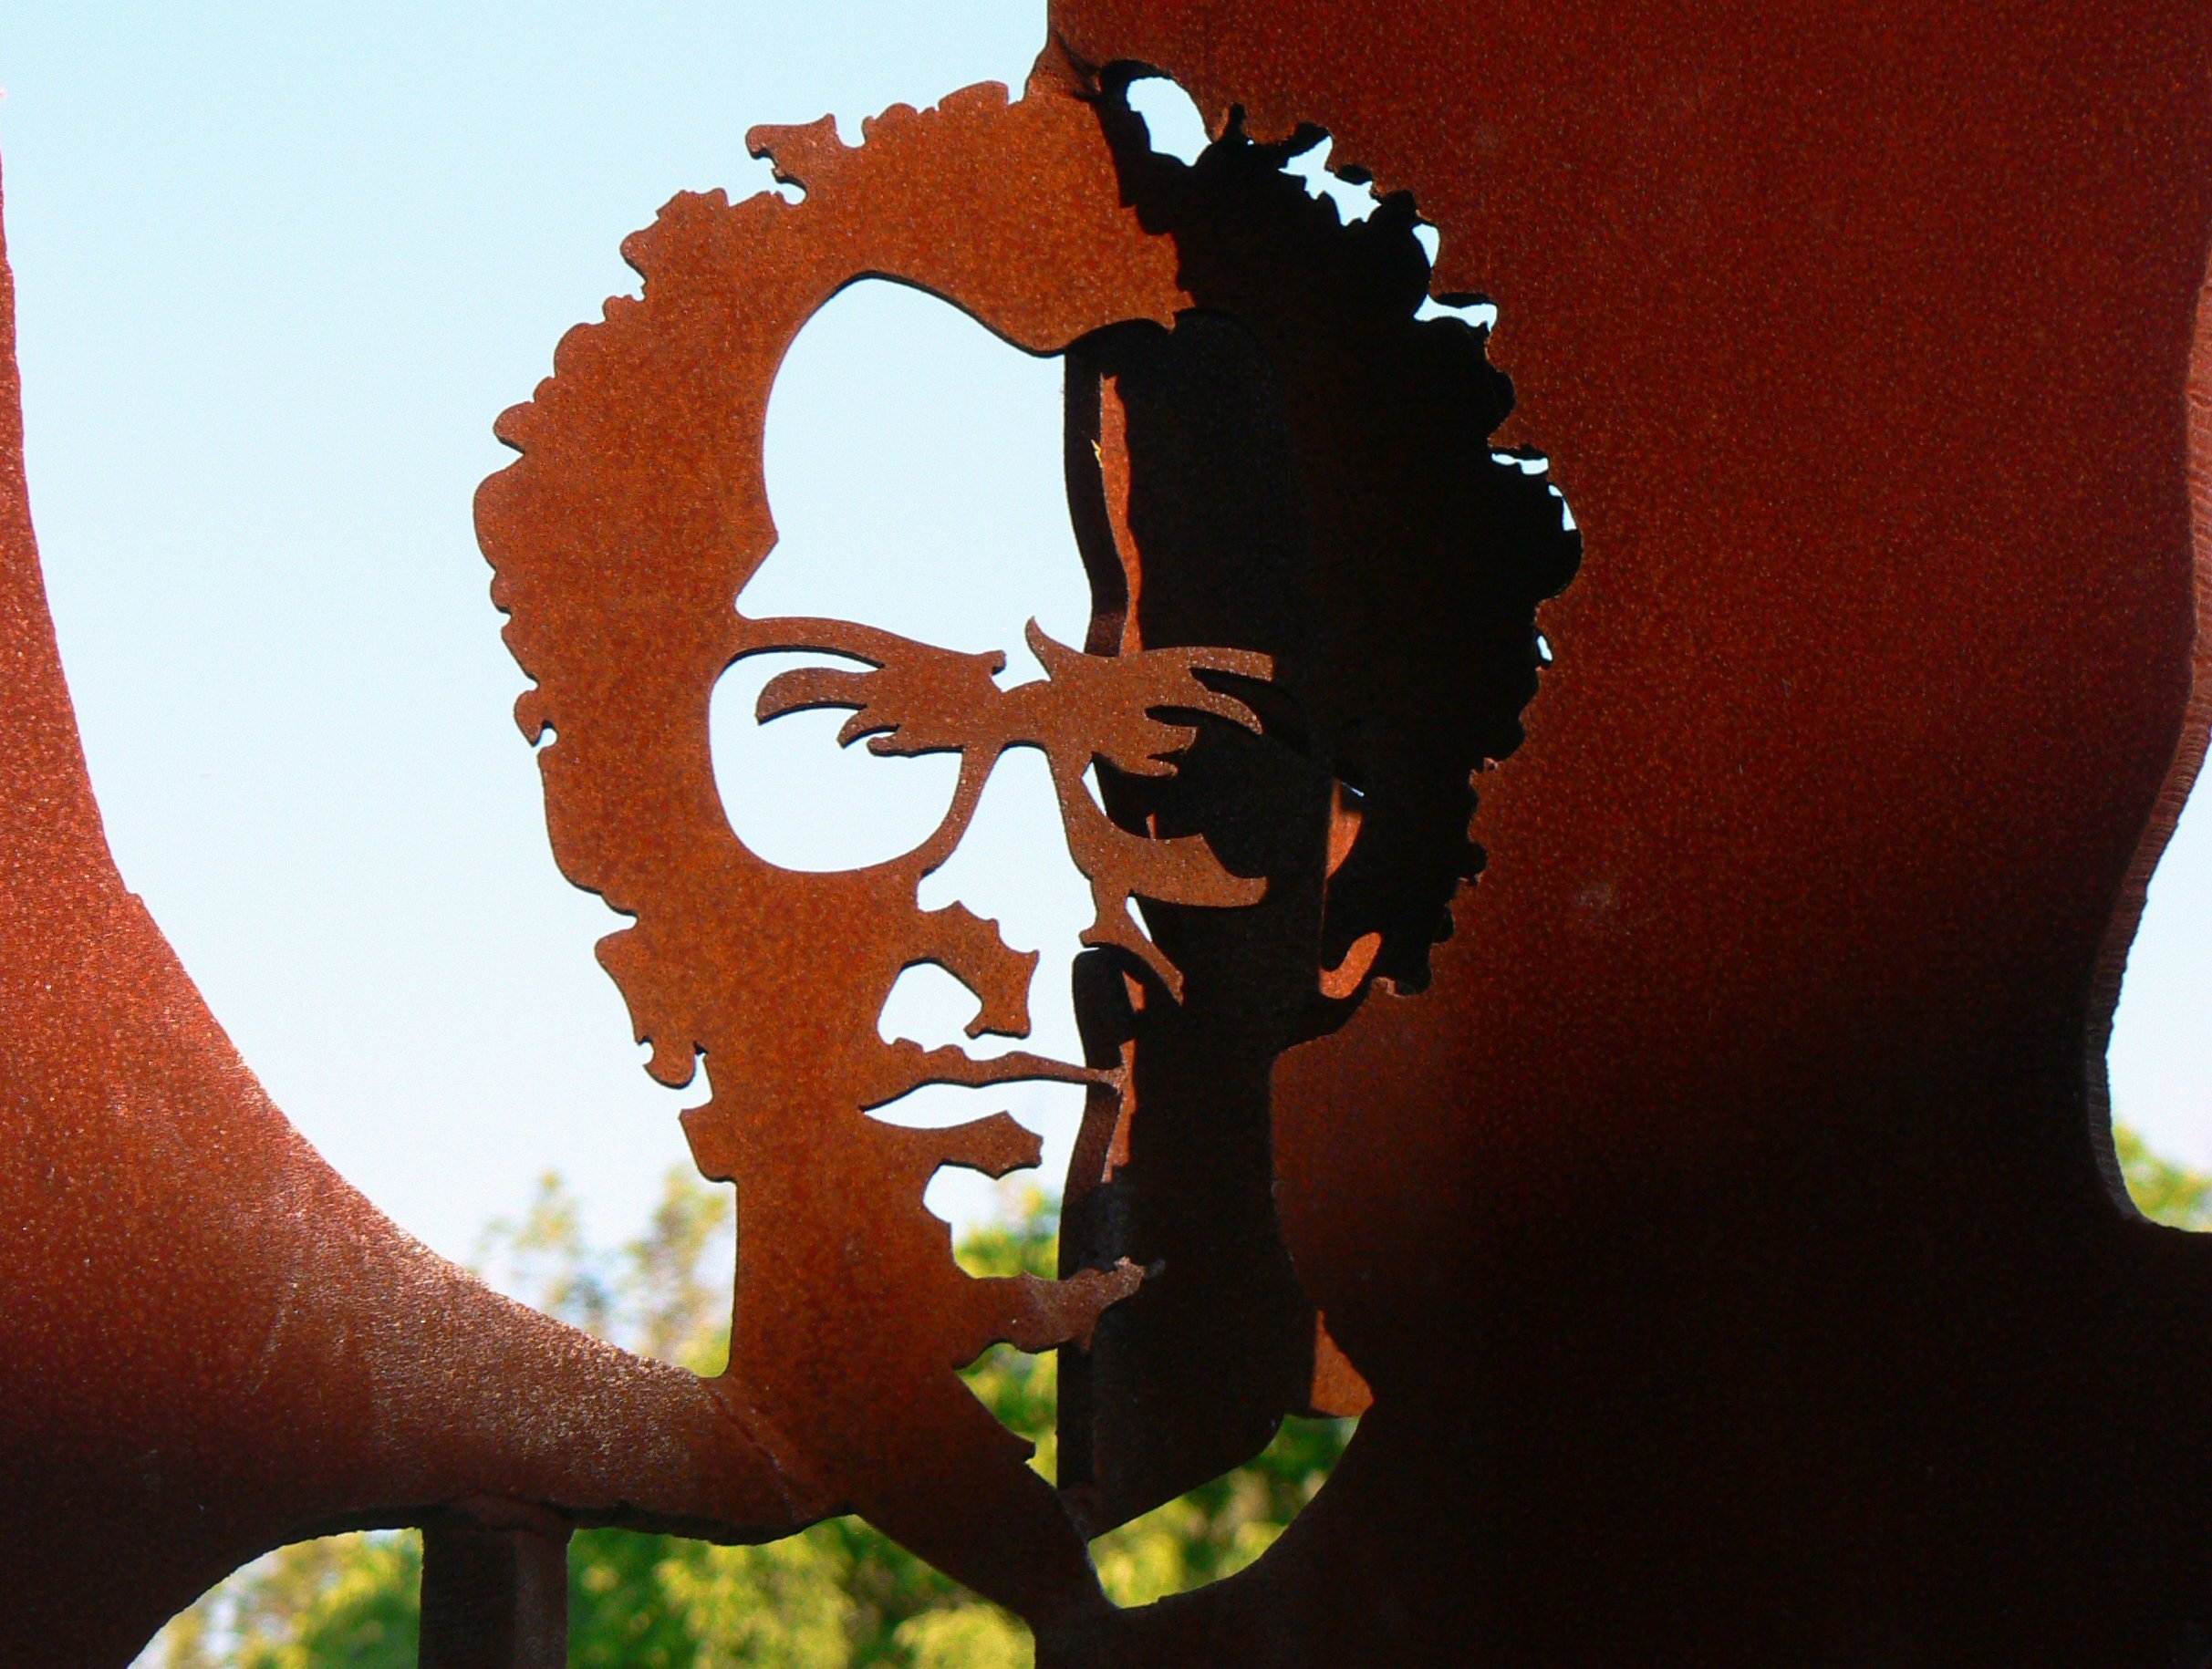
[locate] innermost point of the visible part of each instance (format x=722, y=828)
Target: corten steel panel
x=1722, y=1229
x=1314, y=596
x=1727, y=1233
x=209, y=1343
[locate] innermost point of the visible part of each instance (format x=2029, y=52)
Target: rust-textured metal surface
x=1718, y=1214
x=1727, y=1232
x=209, y=1344
x=1282, y=710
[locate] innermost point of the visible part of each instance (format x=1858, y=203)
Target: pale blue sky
x=280, y=268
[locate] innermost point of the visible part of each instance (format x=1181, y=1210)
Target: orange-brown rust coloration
x=1730, y=1232
x=1710, y=1208
x=635, y=517
x=209, y=1344
x=1217, y=514
x=1313, y=594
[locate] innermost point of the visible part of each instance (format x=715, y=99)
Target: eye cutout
x=794, y=798
x=913, y=462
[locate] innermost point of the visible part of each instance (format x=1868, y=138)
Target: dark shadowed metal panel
x=1729, y=1233
x=1713, y=1199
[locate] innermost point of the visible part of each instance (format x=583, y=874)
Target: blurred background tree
x=837, y=1594
x=2163, y=1191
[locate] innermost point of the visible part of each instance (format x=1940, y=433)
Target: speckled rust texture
x=1251, y=694
x=1726, y=1230
x=209, y=1344
x=1728, y=1234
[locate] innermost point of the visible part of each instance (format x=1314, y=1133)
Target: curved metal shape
x=209, y=1343
x=1727, y=1232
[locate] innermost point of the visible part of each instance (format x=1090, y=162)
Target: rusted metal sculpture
x=209, y=1344
x=1727, y=1233
x=1250, y=380
x=1715, y=1212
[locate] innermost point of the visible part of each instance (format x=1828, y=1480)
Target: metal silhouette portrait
x=1661, y=1092
x=1305, y=641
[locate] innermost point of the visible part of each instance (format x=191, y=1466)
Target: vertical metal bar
x=494, y=1596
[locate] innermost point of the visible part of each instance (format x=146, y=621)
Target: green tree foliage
x=837, y=1594
x=2163, y=1191
x=349, y=1600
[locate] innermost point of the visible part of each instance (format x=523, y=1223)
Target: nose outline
x=917, y=699
x=1046, y=899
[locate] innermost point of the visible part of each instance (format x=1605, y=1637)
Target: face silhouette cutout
x=949, y=544
x=914, y=468
x=1099, y=732
x=1291, y=626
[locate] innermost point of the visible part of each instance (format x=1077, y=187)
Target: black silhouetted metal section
x=1704, y=1208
